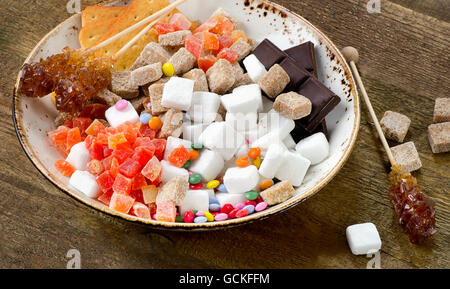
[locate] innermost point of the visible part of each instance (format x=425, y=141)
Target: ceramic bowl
x=33, y=118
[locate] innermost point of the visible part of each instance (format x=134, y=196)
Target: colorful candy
x=221, y=217
x=227, y=208
x=197, y=146
x=201, y=219
x=168, y=69
x=155, y=123
x=261, y=207
x=251, y=195
x=211, y=185
x=121, y=105
x=222, y=188
x=145, y=118
x=195, y=178
x=209, y=216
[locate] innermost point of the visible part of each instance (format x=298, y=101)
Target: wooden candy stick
x=352, y=57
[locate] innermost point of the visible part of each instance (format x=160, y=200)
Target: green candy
x=187, y=164
x=194, y=211
x=251, y=195
x=195, y=179
x=179, y=219
x=197, y=146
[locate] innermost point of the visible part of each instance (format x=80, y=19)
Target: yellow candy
x=168, y=69
x=212, y=184
x=257, y=162
x=209, y=216
x=53, y=94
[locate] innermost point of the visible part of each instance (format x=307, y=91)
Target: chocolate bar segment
x=300, y=132
x=297, y=75
x=268, y=53
x=304, y=56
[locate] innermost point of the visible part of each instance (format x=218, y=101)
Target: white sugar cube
x=363, y=239
x=254, y=67
x=315, y=148
x=195, y=200
x=177, y=93
x=170, y=172
x=252, y=91
x=240, y=180
x=289, y=142
x=233, y=199
x=273, y=160
x=242, y=121
x=79, y=156
x=293, y=168
x=273, y=121
x=85, y=182
x=244, y=99
x=222, y=138
x=267, y=140
x=204, y=107
x=173, y=143
x=209, y=164
x=117, y=117
x=192, y=131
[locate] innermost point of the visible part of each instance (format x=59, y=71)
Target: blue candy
x=250, y=209
x=222, y=188
x=200, y=219
x=145, y=117
x=214, y=207
x=213, y=200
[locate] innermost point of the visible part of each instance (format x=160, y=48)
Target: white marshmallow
x=315, y=148
x=177, y=93
x=363, y=239
x=266, y=141
x=209, y=164
x=242, y=121
x=233, y=199
x=195, y=200
x=170, y=172
x=117, y=117
x=273, y=121
x=273, y=160
x=192, y=131
x=289, y=142
x=254, y=67
x=240, y=180
x=173, y=143
x=222, y=138
x=204, y=107
x=244, y=99
x=79, y=156
x=86, y=183
x=293, y=168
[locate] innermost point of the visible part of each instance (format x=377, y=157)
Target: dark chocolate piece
x=300, y=132
x=297, y=75
x=305, y=56
x=268, y=53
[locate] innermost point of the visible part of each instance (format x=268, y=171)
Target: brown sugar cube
x=242, y=47
x=221, y=77
x=172, y=124
x=107, y=97
x=155, y=92
x=278, y=193
x=274, y=81
x=174, y=39
x=138, y=103
x=152, y=53
x=395, y=125
x=441, y=110
x=407, y=156
x=174, y=190
x=182, y=61
x=199, y=78
x=146, y=74
x=292, y=105
x=439, y=137
x=244, y=79
x=122, y=85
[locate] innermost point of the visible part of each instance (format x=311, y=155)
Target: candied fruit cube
x=129, y=130
x=143, y=155
x=228, y=54
x=160, y=147
x=166, y=211
x=95, y=128
x=140, y=210
x=107, y=162
x=116, y=139
x=225, y=41
x=122, y=152
x=206, y=62
x=224, y=25
x=195, y=46
x=210, y=40
x=96, y=150
x=146, y=131
x=114, y=169
x=139, y=181
x=137, y=195
x=65, y=168
x=102, y=138
x=105, y=198
x=237, y=34
x=179, y=156
x=73, y=137
x=88, y=141
x=95, y=167
x=207, y=26
x=122, y=185
x=152, y=169
x=105, y=181
x=149, y=193
x=111, y=130
x=130, y=168
x=121, y=203
x=180, y=22
x=82, y=123
x=164, y=28
x=107, y=151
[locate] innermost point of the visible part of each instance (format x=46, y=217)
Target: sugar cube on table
x=199, y=78
x=439, y=137
x=177, y=93
x=278, y=193
x=229, y=198
x=122, y=85
x=209, y=164
x=315, y=148
x=221, y=77
x=204, y=107
x=195, y=200
x=182, y=61
x=173, y=190
x=395, y=125
x=222, y=138
x=173, y=143
x=192, y=131
x=85, y=182
x=293, y=168
x=292, y=105
x=274, y=81
x=117, y=117
x=274, y=121
x=169, y=172
x=254, y=67
x=79, y=156
x=441, y=110
x=241, y=180
x=407, y=156
x=242, y=121
x=146, y=74
x=363, y=239
x=272, y=161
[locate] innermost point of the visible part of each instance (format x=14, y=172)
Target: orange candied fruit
x=65, y=168
x=95, y=128
x=155, y=123
x=242, y=162
x=237, y=34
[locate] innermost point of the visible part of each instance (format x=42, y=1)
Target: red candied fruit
x=210, y=40
x=96, y=150
x=146, y=131
x=143, y=155
x=73, y=137
x=65, y=168
x=105, y=198
x=138, y=182
x=95, y=128
x=224, y=25
x=228, y=54
x=105, y=181
x=140, y=210
x=82, y=123
x=122, y=185
x=206, y=62
x=95, y=167
x=58, y=138
x=130, y=132
x=122, y=152
x=114, y=168
x=152, y=169
x=166, y=211
x=225, y=41
x=160, y=147
x=144, y=142
x=130, y=168
x=195, y=46
x=179, y=156
x=207, y=26
x=121, y=203
x=180, y=22
x=164, y=28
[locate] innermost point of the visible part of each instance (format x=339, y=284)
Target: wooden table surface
x=405, y=66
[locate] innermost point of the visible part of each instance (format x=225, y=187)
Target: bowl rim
x=209, y=225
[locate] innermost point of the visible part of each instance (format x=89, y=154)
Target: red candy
x=121, y=203
x=152, y=169
x=232, y=214
x=227, y=208
x=105, y=181
x=198, y=186
x=206, y=62
x=73, y=137
x=241, y=213
x=95, y=167
x=160, y=147
x=65, y=168
x=122, y=152
x=140, y=210
x=180, y=22
x=248, y=202
x=105, y=198
x=189, y=217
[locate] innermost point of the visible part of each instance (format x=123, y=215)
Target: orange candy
x=155, y=123
x=242, y=162
x=265, y=185
x=253, y=153
x=193, y=154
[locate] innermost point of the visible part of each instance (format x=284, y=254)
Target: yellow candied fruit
x=168, y=69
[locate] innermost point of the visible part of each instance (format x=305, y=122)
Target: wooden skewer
x=352, y=57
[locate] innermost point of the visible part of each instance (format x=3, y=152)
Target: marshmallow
x=289, y=142
x=363, y=239
x=254, y=67
x=86, y=183
x=195, y=200
x=222, y=138
x=79, y=156
x=240, y=180
x=242, y=121
x=273, y=160
x=177, y=93
x=173, y=143
x=244, y=99
x=170, y=172
x=192, y=131
x=117, y=117
x=315, y=148
x=204, y=107
x=233, y=199
x=208, y=165
x=273, y=121
x=293, y=168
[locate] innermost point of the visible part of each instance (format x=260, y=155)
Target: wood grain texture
x=404, y=65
